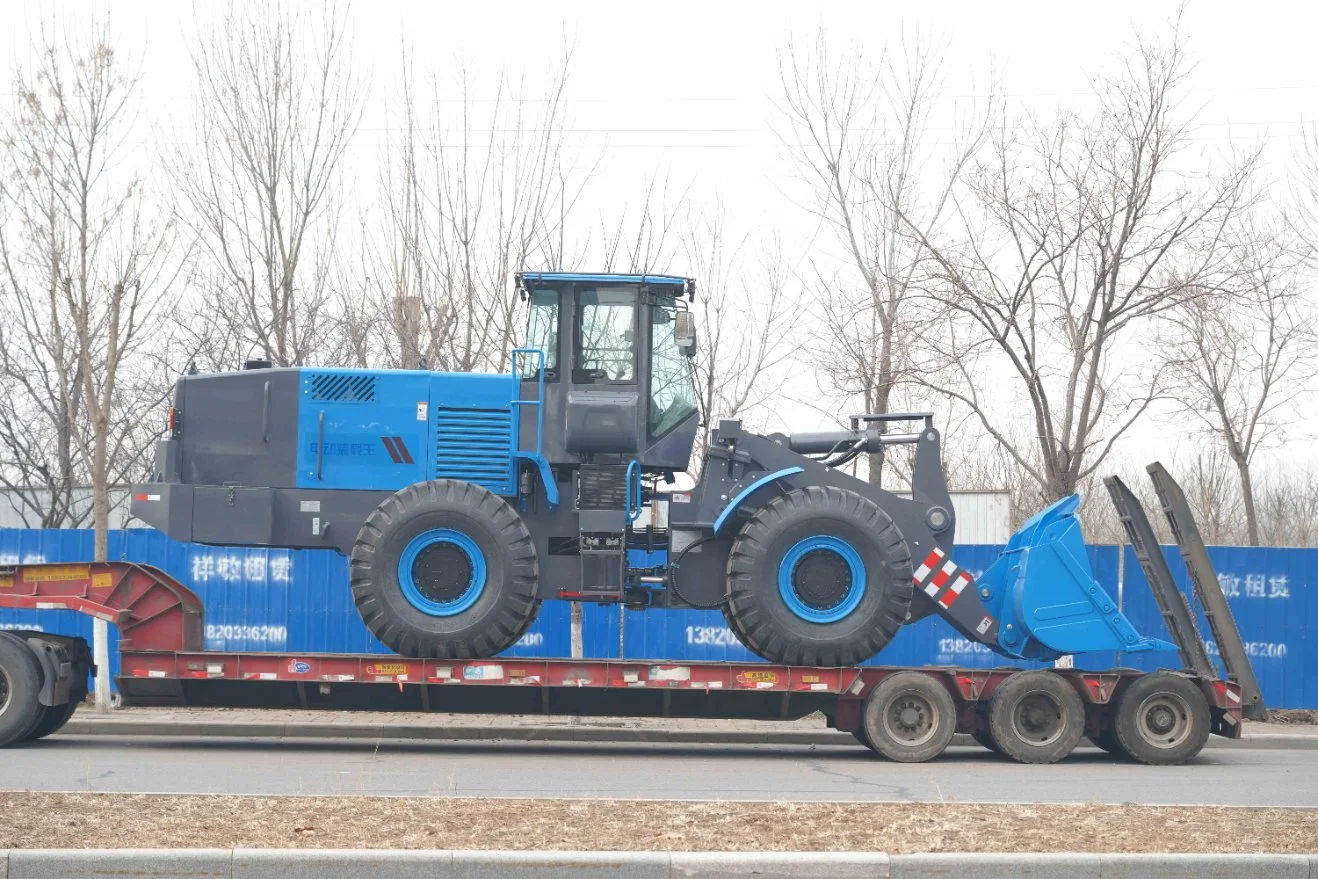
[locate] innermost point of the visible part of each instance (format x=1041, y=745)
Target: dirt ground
x=42, y=820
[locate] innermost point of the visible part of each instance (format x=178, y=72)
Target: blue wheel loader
x=465, y=500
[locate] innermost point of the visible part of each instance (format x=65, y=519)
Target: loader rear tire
x=909, y=717
x=819, y=576
x=445, y=569
x=1162, y=719
x=20, y=681
x=1036, y=717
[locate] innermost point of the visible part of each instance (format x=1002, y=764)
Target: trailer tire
x=909, y=717
x=52, y=720
x=984, y=739
x=864, y=737
x=445, y=569
x=20, y=681
x=1036, y=717
x=818, y=576
x=1162, y=719
x=1107, y=741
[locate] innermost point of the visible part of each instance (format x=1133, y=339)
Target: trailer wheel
x=818, y=576
x=1162, y=719
x=983, y=738
x=910, y=717
x=445, y=569
x=1036, y=717
x=1107, y=741
x=52, y=719
x=20, y=681
x=863, y=737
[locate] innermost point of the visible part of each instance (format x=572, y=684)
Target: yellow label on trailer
x=747, y=678
x=103, y=580
x=387, y=668
x=6, y=582
x=54, y=573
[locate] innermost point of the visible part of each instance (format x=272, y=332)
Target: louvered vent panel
x=343, y=387
x=474, y=445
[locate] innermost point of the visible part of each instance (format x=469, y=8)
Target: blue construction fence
x=297, y=601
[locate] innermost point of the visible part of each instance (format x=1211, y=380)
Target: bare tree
x=1237, y=363
x=747, y=317
x=1074, y=234
x=473, y=191
x=276, y=106
x=645, y=238
x=858, y=135
x=85, y=266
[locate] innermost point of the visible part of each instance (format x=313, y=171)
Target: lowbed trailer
x=907, y=714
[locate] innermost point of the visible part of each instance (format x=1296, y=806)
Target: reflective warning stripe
x=928, y=564
x=944, y=573
x=947, y=582
x=954, y=590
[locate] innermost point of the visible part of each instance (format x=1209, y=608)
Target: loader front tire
x=445, y=569
x=819, y=576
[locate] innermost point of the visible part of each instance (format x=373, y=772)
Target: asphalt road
x=1221, y=776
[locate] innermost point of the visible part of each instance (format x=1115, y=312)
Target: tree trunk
x=875, y=469
x=100, y=550
x=1247, y=494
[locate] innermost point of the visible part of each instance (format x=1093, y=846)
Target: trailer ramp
x=1208, y=589
x=1176, y=609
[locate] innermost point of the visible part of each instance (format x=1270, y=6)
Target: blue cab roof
x=600, y=278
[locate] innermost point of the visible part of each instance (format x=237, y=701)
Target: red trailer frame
x=163, y=662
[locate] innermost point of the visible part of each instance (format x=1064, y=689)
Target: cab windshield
x=672, y=393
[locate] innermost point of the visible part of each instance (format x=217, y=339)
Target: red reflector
x=173, y=418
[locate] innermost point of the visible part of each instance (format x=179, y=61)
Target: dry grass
x=78, y=820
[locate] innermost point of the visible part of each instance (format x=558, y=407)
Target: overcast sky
x=689, y=91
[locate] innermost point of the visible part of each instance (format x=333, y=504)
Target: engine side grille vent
x=602, y=487
x=475, y=445
x=342, y=387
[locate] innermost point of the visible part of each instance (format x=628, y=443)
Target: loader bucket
x=1043, y=592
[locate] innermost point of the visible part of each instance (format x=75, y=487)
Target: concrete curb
x=95, y=726
x=241, y=863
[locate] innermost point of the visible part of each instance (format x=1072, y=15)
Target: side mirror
x=684, y=332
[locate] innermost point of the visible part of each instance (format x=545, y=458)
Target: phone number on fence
x=714, y=636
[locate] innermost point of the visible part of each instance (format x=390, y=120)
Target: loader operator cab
x=618, y=382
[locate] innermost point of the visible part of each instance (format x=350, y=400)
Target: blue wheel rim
x=849, y=601
x=464, y=600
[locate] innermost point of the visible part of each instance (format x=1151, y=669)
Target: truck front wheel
x=445, y=569
x=20, y=681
